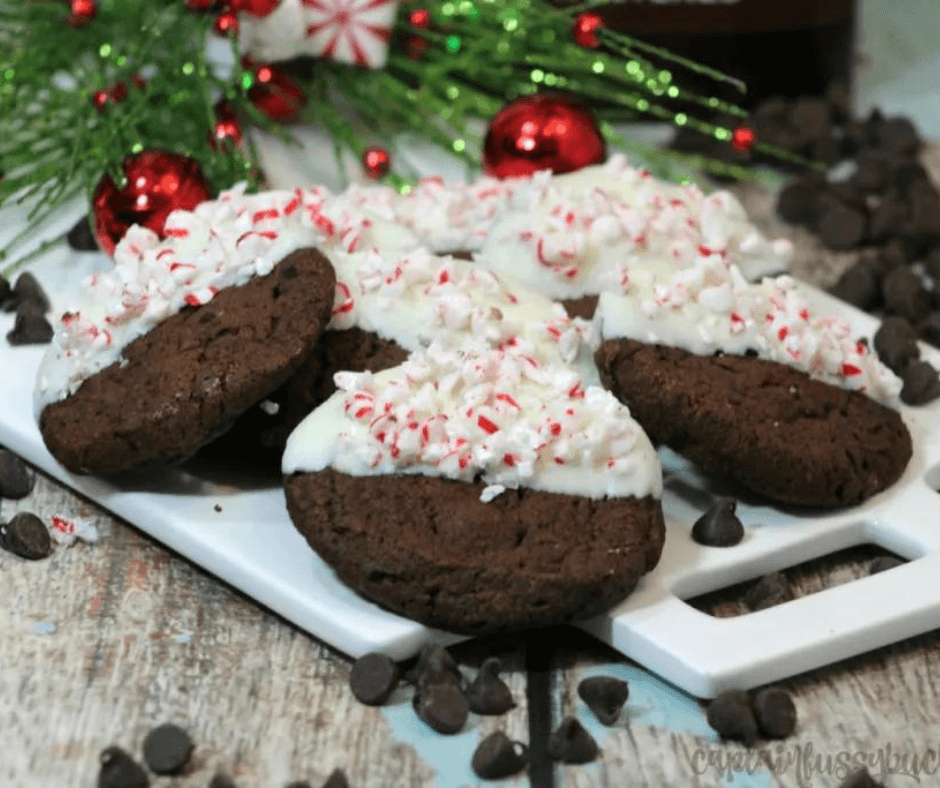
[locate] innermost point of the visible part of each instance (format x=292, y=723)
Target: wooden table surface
x=103, y=641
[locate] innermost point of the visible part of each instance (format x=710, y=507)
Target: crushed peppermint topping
x=487, y=413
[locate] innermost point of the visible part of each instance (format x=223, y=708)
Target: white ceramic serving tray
x=238, y=529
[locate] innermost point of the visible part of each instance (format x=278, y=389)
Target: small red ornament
x=158, y=183
x=226, y=23
x=420, y=17
x=275, y=94
x=116, y=93
x=743, y=139
x=585, y=29
x=545, y=132
x=227, y=131
x=376, y=161
x=256, y=8
x=82, y=12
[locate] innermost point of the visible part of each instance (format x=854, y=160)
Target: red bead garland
x=545, y=132
x=743, y=139
x=81, y=12
x=585, y=29
x=227, y=131
x=275, y=94
x=227, y=23
x=158, y=183
x=376, y=161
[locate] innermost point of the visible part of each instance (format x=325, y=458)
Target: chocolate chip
x=6, y=295
x=571, y=743
x=860, y=779
x=872, y=173
x=772, y=589
x=896, y=343
x=886, y=218
x=497, y=757
x=373, y=678
x=604, y=696
x=719, y=526
x=905, y=294
x=798, y=202
x=775, y=712
x=929, y=329
x=30, y=328
x=220, y=780
x=26, y=536
x=897, y=136
x=81, y=238
x=488, y=693
x=15, y=479
x=119, y=770
x=337, y=779
x=167, y=749
x=858, y=286
x=435, y=666
x=883, y=563
x=841, y=226
x=894, y=254
x=28, y=290
x=921, y=383
x=906, y=173
x=932, y=263
x=731, y=715
x=442, y=706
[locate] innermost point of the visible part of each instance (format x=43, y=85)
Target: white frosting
x=710, y=307
x=494, y=414
x=585, y=232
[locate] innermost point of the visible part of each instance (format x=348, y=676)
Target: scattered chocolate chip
x=488, y=693
x=798, y=202
x=812, y=117
x=571, y=743
x=6, y=294
x=932, y=263
x=860, y=779
x=772, y=589
x=81, y=238
x=497, y=757
x=604, y=696
x=28, y=290
x=30, y=328
x=15, y=479
x=435, y=665
x=775, y=712
x=119, y=770
x=167, y=749
x=929, y=329
x=897, y=136
x=883, y=563
x=719, y=526
x=337, y=779
x=896, y=343
x=26, y=536
x=373, y=678
x=442, y=706
x=885, y=218
x=220, y=780
x=905, y=294
x=858, y=286
x=731, y=714
x=841, y=226
x=921, y=383
x=906, y=173
x=872, y=173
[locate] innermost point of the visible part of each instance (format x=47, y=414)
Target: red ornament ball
x=226, y=23
x=276, y=94
x=158, y=183
x=82, y=12
x=585, y=29
x=256, y=8
x=376, y=162
x=227, y=131
x=420, y=17
x=545, y=132
x=743, y=139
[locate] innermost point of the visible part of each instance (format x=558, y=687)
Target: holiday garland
x=86, y=85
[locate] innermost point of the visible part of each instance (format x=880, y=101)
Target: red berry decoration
x=585, y=30
x=158, y=183
x=376, y=161
x=227, y=131
x=82, y=12
x=227, y=24
x=420, y=17
x=256, y=8
x=276, y=94
x=545, y=132
x=743, y=139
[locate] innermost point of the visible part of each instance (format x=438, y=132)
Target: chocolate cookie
x=185, y=381
x=766, y=425
x=429, y=549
